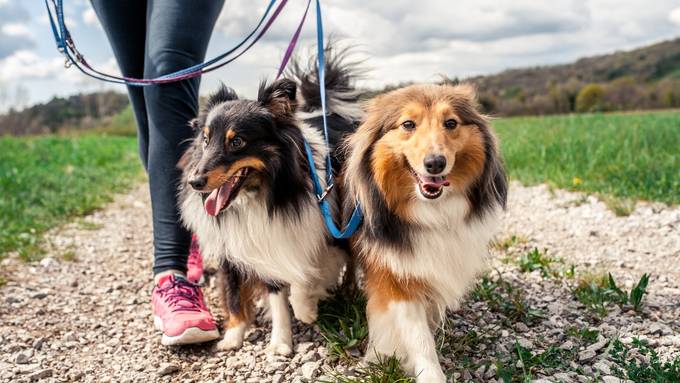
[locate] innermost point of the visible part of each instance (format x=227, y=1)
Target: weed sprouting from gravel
x=641, y=364
x=504, y=244
x=522, y=364
x=585, y=334
x=505, y=298
x=621, y=207
x=342, y=322
x=384, y=370
x=636, y=294
x=548, y=266
x=598, y=292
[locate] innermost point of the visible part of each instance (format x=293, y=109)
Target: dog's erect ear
x=279, y=97
x=223, y=94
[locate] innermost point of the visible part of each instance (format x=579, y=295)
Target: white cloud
x=16, y=29
x=27, y=65
x=674, y=16
x=90, y=18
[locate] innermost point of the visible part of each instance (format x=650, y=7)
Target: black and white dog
x=247, y=194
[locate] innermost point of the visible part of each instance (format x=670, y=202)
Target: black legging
x=152, y=38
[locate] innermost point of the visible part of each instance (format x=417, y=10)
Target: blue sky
x=399, y=41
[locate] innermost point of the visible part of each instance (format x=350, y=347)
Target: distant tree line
x=625, y=93
x=82, y=111
x=645, y=78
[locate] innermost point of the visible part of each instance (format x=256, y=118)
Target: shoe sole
x=191, y=335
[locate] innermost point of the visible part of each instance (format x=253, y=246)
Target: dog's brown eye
x=450, y=124
x=237, y=143
x=408, y=125
x=205, y=140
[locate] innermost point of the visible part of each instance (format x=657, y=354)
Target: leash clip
x=325, y=193
x=67, y=62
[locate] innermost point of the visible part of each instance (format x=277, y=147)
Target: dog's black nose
x=434, y=164
x=198, y=182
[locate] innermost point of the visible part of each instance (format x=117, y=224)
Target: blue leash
x=66, y=46
x=321, y=193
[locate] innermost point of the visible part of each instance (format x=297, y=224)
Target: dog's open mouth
x=430, y=187
x=221, y=197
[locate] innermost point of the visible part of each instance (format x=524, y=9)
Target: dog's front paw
x=232, y=340
x=306, y=313
x=279, y=348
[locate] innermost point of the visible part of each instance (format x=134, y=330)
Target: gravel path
x=83, y=312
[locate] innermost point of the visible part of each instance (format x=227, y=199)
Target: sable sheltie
x=425, y=167
x=248, y=196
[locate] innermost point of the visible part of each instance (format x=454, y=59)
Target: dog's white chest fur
x=279, y=248
x=448, y=251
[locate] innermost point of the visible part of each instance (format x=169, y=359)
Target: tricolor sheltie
x=248, y=196
x=425, y=168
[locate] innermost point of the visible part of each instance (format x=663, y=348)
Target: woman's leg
x=177, y=37
x=125, y=24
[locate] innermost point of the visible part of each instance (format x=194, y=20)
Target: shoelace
x=181, y=291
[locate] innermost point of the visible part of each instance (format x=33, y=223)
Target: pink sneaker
x=195, y=262
x=180, y=312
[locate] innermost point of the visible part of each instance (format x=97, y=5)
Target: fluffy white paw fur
x=232, y=339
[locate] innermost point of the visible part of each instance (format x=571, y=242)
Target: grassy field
x=626, y=155
x=44, y=181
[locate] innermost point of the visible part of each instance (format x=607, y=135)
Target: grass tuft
x=522, y=364
x=548, y=266
x=598, y=291
x=69, y=256
x=505, y=298
x=621, y=207
x=342, y=322
x=645, y=369
x=508, y=242
x=385, y=370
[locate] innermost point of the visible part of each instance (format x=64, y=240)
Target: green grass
x=503, y=244
x=505, y=298
x=597, y=292
x=45, y=181
x=625, y=155
x=342, y=323
x=523, y=364
x=385, y=370
x=643, y=370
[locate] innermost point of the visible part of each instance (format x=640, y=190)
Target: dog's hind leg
x=281, y=342
x=237, y=294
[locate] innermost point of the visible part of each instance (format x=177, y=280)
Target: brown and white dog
x=425, y=167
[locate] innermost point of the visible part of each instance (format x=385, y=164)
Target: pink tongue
x=435, y=181
x=217, y=199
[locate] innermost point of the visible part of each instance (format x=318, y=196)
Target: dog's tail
x=340, y=75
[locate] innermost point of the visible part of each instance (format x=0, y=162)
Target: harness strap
x=357, y=216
